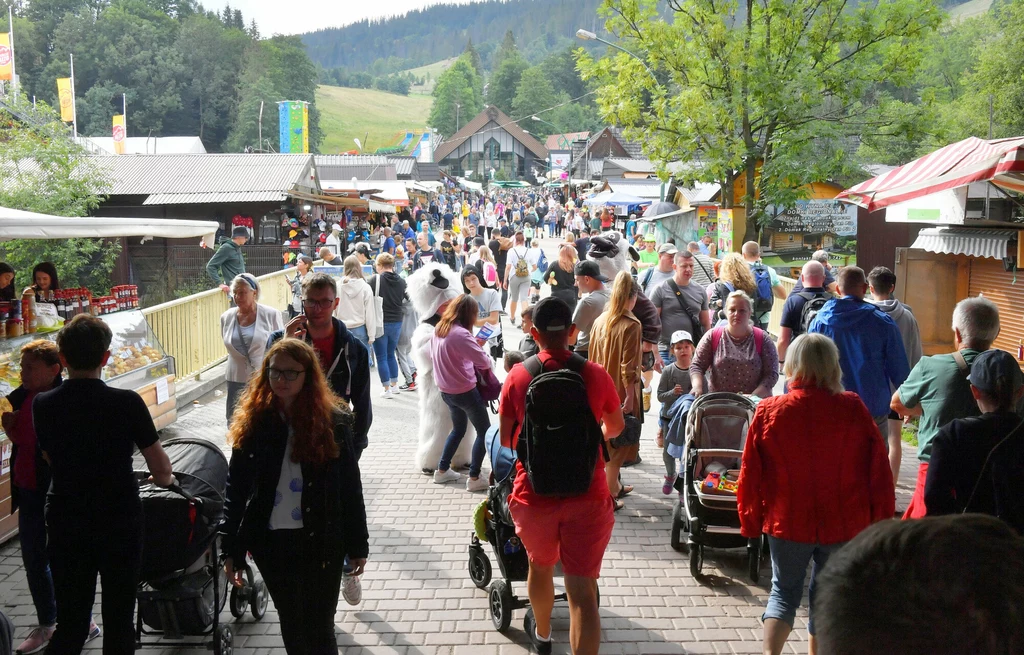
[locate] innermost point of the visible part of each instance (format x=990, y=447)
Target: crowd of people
x=602, y=318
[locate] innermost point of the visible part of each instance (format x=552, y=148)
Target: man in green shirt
x=228, y=262
x=648, y=256
x=937, y=389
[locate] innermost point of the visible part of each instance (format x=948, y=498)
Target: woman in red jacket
x=814, y=474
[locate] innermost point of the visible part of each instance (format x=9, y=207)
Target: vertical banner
x=283, y=124
x=305, y=127
x=724, y=232
x=67, y=99
x=6, y=57
x=119, y=133
x=295, y=125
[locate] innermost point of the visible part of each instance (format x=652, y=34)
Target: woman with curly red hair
x=294, y=499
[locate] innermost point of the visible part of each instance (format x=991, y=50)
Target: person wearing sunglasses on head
x=245, y=328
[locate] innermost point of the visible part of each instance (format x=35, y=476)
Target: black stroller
x=183, y=586
x=501, y=534
x=706, y=514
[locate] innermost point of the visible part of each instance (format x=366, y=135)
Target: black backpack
x=812, y=305
x=560, y=438
x=717, y=300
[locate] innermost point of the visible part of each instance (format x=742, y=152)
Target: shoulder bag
x=378, y=309
x=697, y=327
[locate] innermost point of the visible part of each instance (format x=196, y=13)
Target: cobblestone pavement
x=417, y=596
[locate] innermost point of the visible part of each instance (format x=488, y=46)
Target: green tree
x=507, y=49
x=256, y=92
x=459, y=85
x=733, y=86
x=474, y=58
x=535, y=93
x=560, y=68
x=502, y=87
x=45, y=171
x=212, y=59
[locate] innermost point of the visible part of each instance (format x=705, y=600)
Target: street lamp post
x=457, y=108
x=541, y=120
x=587, y=35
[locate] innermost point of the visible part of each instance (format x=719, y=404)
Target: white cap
x=680, y=335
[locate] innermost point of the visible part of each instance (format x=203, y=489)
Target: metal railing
x=189, y=328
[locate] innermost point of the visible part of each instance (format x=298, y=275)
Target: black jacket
x=17, y=400
x=392, y=290
x=350, y=378
x=333, y=514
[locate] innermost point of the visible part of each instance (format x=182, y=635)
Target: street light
x=541, y=120
x=457, y=108
x=587, y=35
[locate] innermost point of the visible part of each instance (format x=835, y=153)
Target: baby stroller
x=183, y=586
x=500, y=532
x=716, y=432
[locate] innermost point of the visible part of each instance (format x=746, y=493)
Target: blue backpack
x=765, y=299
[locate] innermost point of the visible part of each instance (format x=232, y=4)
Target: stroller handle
x=143, y=477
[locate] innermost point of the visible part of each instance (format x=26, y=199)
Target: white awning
x=17, y=224
x=973, y=242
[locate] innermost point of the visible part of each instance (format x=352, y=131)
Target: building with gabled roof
x=491, y=141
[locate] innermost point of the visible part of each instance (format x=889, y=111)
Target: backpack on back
x=812, y=306
x=716, y=302
x=560, y=437
x=522, y=266
x=764, y=300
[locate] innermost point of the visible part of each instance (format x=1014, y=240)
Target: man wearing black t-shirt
x=88, y=433
x=500, y=261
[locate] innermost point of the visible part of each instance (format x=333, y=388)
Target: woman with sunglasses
x=245, y=329
x=294, y=499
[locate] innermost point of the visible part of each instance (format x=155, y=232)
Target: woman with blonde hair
x=292, y=435
x=615, y=345
x=487, y=266
x=560, y=276
x=245, y=329
x=733, y=275
x=741, y=358
x=809, y=491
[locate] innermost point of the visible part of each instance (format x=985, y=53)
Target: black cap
x=239, y=231
x=590, y=269
x=362, y=248
x=994, y=370
x=551, y=314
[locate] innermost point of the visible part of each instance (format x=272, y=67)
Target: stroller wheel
x=239, y=602
x=222, y=639
x=500, y=600
x=677, y=527
x=259, y=599
x=479, y=567
x=696, y=559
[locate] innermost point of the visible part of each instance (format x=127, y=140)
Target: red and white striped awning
x=972, y=160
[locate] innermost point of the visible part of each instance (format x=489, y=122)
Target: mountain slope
x=376, y=118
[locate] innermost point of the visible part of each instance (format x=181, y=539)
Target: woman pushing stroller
x=294, y=498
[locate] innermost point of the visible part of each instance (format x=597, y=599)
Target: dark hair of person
x=49, y=269
x=44, y=350
x=471, y=271
x=513, y=357
x=850, y=276
x=83, y=341
x=882, y=279
x=312, y=414
x=461, y=311
x=6, y=268
x=319, y=281
x=527, y=312
x=944, y=585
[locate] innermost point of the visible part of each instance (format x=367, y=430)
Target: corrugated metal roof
x=973, y=242
x=700, y=192
x=361, y=167
x=207, y=198
x=205, y=175
x=631, y=164
x=403, y=165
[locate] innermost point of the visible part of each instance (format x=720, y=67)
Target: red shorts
x=575, y=531
x=917, y=509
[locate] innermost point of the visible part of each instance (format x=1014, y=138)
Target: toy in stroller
x=183, y=586
x=716, y=432
x=494, y=525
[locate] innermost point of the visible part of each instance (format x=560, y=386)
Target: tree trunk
x=750, y=234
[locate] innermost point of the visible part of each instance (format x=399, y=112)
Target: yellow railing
x=189, y=328
x=776, y=316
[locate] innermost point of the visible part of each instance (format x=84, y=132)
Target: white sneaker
x=478, y=484
x=447, y=476
x=387, y=395
x=394, y=390
x=351, y=589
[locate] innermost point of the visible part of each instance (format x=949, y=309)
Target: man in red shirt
x=574, y=529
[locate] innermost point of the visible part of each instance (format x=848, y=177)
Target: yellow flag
x=119, y=133
x=6, y=57
x=67, y=99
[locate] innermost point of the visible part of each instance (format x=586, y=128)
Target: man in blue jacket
x=871, y=351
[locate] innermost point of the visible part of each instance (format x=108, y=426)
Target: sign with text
x=824, y=216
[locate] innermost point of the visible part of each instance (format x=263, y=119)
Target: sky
x=309, y=15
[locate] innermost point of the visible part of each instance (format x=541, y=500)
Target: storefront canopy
x=1000, y=161
x=616, y=198
x=973, y=242
x=17, y=224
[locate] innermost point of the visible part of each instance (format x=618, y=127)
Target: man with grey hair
x=703, y=269
x=937, y=389
x=821, y=256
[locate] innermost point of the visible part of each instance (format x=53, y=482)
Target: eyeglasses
x=318, y=304
x=289, y=374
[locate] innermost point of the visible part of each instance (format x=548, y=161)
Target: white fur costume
x=435, y=421
x=612, y=253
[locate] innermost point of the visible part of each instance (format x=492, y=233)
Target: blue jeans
x=384, y=347
x=364, y=338
x=666, y=357
x=465, y=407
x=32, y=532
x=789, y=567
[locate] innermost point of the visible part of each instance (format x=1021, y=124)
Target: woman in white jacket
x=245, y=329
x=355, y=304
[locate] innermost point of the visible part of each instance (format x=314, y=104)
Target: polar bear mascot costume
x=430, y=288
x=612, y=253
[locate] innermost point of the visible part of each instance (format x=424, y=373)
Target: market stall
x=138, y=362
